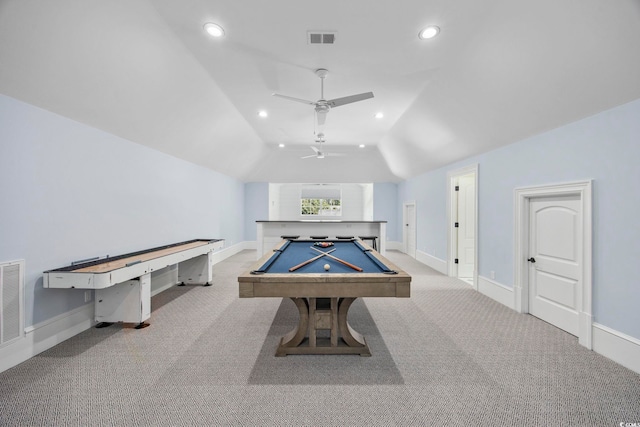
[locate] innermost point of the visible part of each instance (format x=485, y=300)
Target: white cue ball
x=327, y=267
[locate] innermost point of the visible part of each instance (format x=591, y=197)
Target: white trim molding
x=620, y=348
x=496, y=291
x=437, y=264
x=522, y=197
x=45, y=335
x=394, y=246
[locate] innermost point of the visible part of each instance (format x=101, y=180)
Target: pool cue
x=355, y=267
x=302, y=264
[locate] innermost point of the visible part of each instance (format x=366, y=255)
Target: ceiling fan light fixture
x=214, y=30
x=429, y=32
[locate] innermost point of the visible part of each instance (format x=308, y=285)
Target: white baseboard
x=45, y=335
x=617, y=346
x=433, y=262
x=496, y=291
x=226, y=252
x=394, y=246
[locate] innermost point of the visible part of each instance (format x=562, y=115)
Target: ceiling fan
x=322, y=106
x=319, y=152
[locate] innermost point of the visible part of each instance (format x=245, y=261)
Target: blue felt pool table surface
x=294, y=252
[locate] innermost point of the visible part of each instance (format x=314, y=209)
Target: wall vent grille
x=11, y=291
x=321, y=37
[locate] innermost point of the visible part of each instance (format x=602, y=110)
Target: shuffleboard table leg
x=142, y=325
x=103, y=325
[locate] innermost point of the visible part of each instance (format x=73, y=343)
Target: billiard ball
x=327, y=267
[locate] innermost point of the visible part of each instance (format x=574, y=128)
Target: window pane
x=320, y=207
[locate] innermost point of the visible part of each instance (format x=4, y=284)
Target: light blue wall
x=430, y=196
x=70, y=192
x=605, y=148
x=385, y=207
x=256, y=207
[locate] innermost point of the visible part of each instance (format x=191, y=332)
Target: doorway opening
x=409, y=229
x=462, y=212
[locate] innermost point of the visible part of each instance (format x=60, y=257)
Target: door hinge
x=457, y=188
x=455, y=261
x=456, y=224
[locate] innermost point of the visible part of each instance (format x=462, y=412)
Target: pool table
x=323, y=296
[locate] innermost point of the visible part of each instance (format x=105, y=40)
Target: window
x=320, y=200
x=321, y=207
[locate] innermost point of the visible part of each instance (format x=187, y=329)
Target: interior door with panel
x=555, y=254
x=466, y=225
x=410, y=229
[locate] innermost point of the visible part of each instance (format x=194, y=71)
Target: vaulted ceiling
x=498, y=72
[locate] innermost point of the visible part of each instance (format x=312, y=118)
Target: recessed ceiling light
x=379, y=115
x=361, y=145
x=262, y=113
x=281, y=145
x=429, y=32
x=214, y=30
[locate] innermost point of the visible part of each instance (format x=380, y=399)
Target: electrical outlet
x=87, y=296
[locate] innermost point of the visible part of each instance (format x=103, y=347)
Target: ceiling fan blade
x=349, y=99
x=314, y=149
x=290, y=98
x=322, y=117
x=309, y=156
x=335, y=154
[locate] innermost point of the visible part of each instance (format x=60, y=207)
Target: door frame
x=452, y=244
x=405, y=234
x=522, y=199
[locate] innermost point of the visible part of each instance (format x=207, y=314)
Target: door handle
x=532, y=260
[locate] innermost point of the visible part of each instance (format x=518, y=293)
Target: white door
x=410, y=229
x=466, y=225
x=555, y=254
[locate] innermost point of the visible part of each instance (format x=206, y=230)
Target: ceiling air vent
x=321, y=37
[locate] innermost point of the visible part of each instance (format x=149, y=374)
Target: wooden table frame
x=323, y=301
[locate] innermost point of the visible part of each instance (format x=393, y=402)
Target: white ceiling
x=144, y=70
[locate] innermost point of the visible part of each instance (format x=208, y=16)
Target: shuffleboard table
x=323, y=296
x=122, y=283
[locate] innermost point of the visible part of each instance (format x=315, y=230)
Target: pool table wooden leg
x=350, y=335
x=298, y=334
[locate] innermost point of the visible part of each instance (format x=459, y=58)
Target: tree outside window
x=320, y=207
